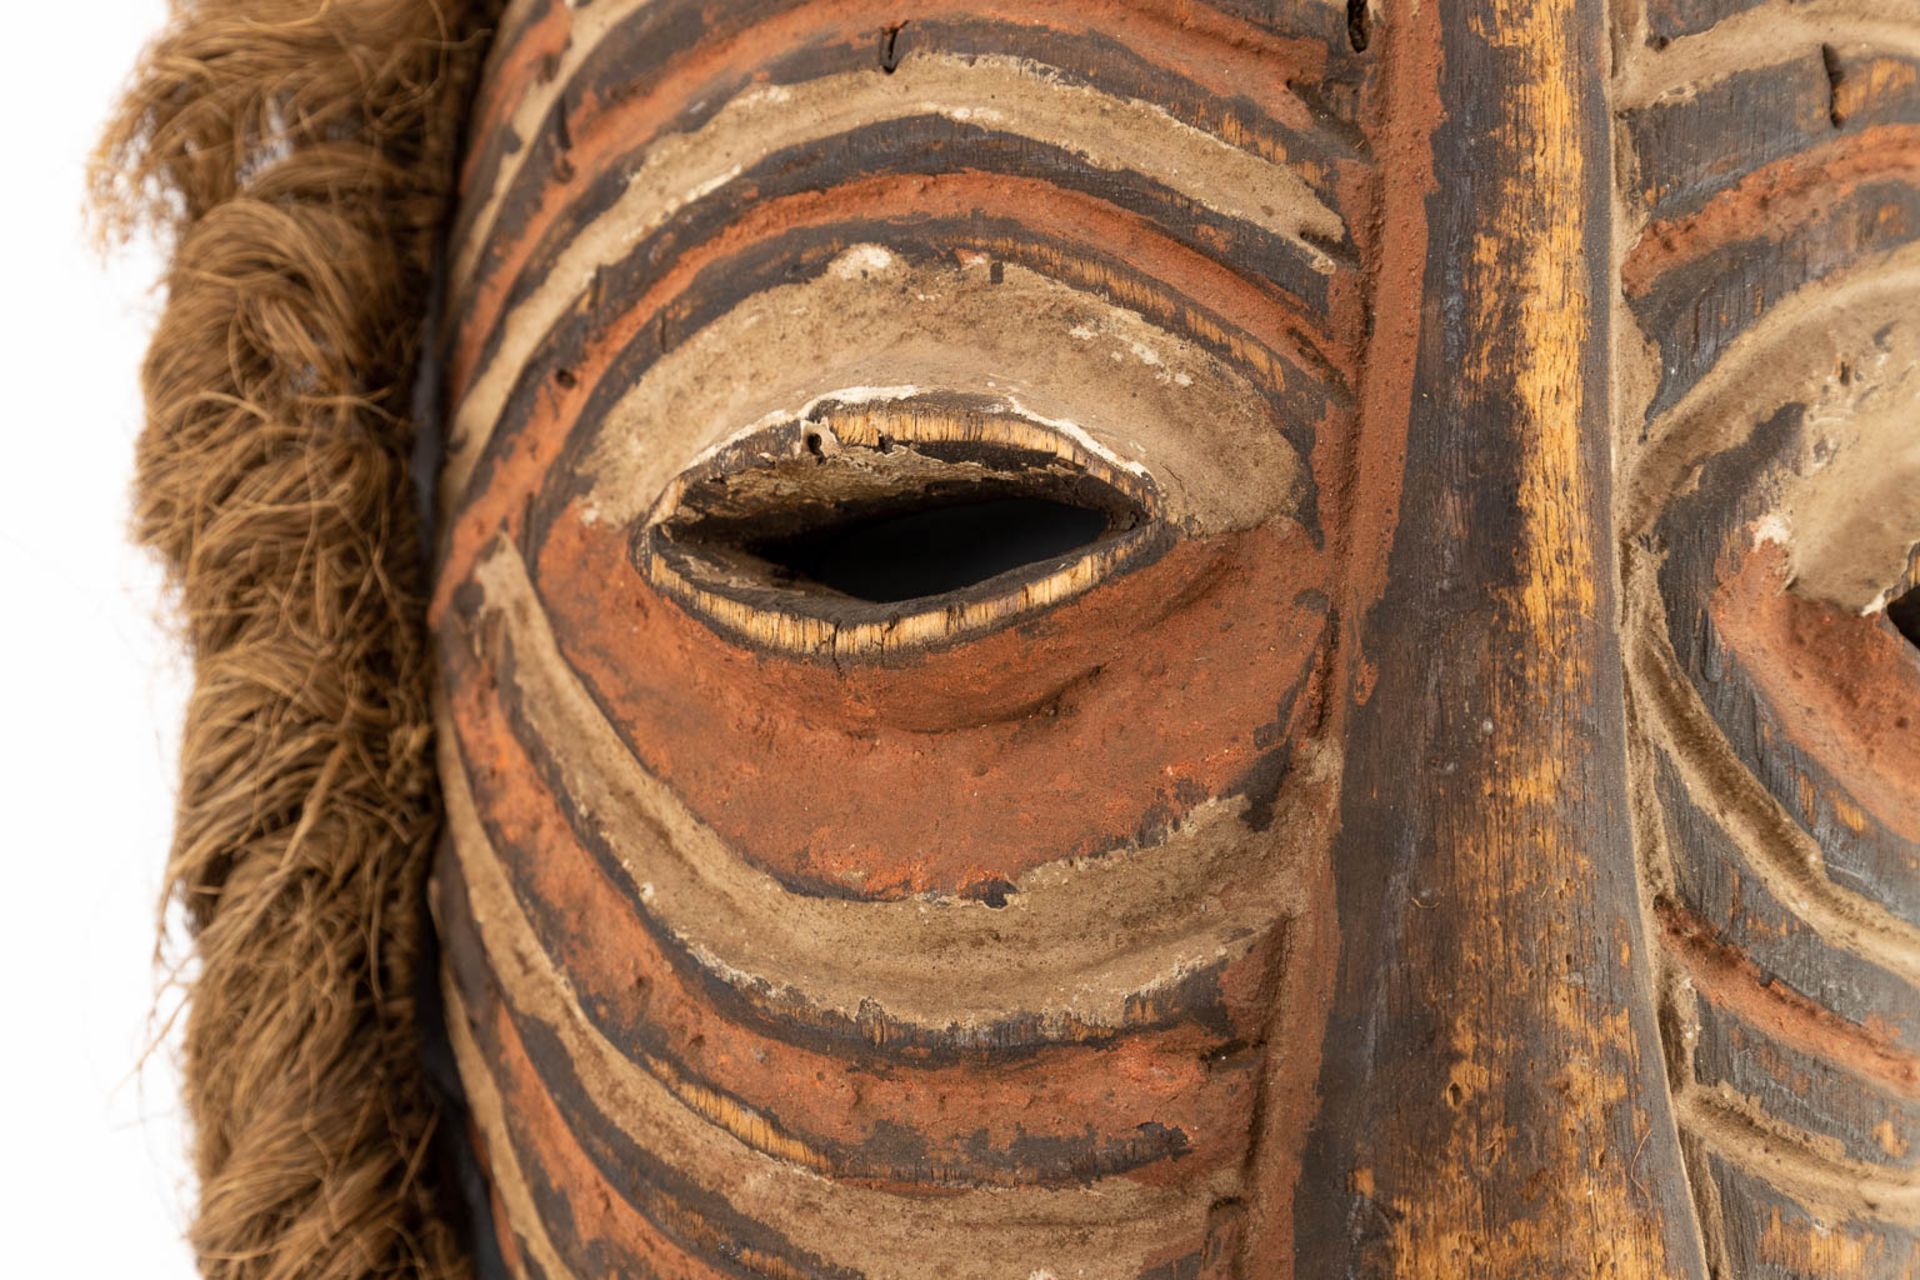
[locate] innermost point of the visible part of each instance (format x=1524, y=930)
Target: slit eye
x=860, y=528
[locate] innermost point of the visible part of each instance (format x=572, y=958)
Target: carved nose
x=1491, y=1092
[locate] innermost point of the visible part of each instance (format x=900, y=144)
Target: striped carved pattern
x=796, y=940
x=1770, y=160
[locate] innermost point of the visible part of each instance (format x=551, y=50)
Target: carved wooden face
x=1177, y=639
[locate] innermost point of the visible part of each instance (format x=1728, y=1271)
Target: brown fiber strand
x=296, y=154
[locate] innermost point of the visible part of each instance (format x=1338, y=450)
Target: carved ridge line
x=504, y=1174
x=1273, y=353
x=680, y=169
x=1024, y=960
x=1747, y=41
x=591, y=26
x=1191, y=442
x=1782, y=854
x=1729, y=979
x=587, y=26
x=1772, y=198
x=1105, y=129
x=494, y=900
x=1792, y=1161
x=1831, y=311
x=1116, y=1144
x=845, y=1224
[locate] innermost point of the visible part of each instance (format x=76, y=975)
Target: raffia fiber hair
x=297, y=157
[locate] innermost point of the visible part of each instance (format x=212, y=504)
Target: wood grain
x=1770, y=185
x=1493, y=1101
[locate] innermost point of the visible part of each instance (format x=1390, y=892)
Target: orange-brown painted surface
x=966, y=766
x=1189, y=1082
x=1391, y=838
x=1844, y=687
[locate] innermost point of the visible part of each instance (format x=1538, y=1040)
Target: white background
x=92, y=1174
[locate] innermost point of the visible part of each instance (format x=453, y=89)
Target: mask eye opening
x=928, y=519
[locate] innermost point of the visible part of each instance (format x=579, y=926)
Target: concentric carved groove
x=1823, y=1183
x=1847, y=1090
x=620, y=1114
x=1125, y=376
x=847, y=1107
x=1772, y=176
x=1719, y=446
x=1781, y=851
x=1095, y=920
x=1668, y=59
x=745, y=989
x=661, y=189
x=1726, y=976
x=523, y=1236
x=561, y=68
x=753, y=133
x=1771, y=152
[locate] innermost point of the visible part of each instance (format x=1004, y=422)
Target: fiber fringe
x=297, y=155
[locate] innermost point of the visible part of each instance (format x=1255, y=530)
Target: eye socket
x=861, y=527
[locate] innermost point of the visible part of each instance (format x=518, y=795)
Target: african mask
x=1185, y=639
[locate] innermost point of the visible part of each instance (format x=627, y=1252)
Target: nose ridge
x=1492, y=1098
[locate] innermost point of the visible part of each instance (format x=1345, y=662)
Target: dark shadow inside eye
x=927, y=551
x=856, y=527
x=1904, y=613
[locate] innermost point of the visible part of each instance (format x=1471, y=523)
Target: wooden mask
x=1209, y=638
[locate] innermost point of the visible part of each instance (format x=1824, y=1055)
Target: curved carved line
x=1108, y=132
x=505, y=1178
x=947, y=1231
x=1752, y=40
x=1029, y=960
x=1227, y=39
x=495, y=907
x=1729, y=979
x=1792, y=1161
x=1752, y=377
x=528, y=328
x=1006, y=94
x=1069, y=1145
x=1784, y=856
x=1774, y=198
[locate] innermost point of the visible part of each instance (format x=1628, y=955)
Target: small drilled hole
x=1359, y=25
x=890, y=48
x=994, y=893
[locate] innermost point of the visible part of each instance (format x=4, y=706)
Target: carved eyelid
x=1061, y=400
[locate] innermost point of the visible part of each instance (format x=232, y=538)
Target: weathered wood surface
x=1772, y=186
x=1491, y=1099
x=801, y=937
x=1420, y=837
